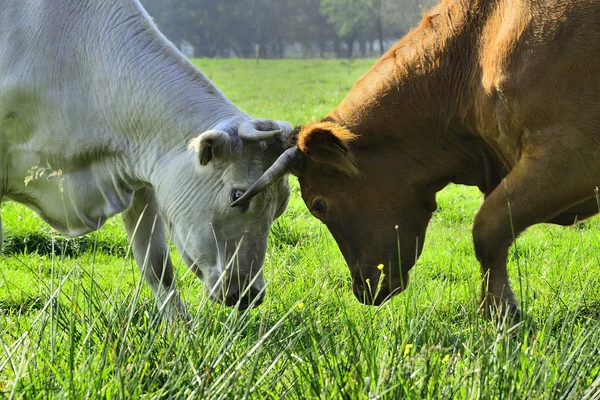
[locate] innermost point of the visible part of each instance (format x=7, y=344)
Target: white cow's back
x=91, y=97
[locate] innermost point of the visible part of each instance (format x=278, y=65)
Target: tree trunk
x=350, y=43
x=380, y=36
x=337, y=47
x=321, y=44
x=281, y=47
x=363, y=48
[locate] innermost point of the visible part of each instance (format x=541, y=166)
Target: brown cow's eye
x=318, y=206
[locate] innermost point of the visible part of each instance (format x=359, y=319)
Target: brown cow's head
x=377, y=212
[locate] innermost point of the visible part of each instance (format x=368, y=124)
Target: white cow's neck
x=173, y=102
x=96, y=93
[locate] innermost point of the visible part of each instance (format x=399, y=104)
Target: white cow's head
x=225, y=246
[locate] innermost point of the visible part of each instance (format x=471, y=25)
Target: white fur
x=96, y=111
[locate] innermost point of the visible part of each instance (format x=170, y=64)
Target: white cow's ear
x=211, y=144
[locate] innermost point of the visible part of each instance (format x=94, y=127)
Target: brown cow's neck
x=416, y=98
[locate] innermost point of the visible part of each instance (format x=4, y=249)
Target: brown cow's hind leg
x=536, y=190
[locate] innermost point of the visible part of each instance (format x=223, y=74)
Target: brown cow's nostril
x=369, y=292
x=366, y=297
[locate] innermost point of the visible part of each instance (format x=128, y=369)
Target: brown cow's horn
x=249, y=133
x=279, y=168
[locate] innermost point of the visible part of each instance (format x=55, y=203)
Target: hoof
x=175, y=311
x=514, y=312
x=501, y=309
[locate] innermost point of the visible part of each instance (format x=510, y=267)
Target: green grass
x=77, y=321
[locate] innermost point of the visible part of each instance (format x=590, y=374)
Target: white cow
x=97, y=111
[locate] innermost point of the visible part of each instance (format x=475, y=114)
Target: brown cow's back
x=510, y=68
x=539, y=64
x=500, y=94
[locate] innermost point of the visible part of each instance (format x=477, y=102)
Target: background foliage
x=309, y=28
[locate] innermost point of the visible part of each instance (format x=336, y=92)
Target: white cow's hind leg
x=146, y=232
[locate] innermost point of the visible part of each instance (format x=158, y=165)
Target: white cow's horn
x=280, y=167
x=249, y=133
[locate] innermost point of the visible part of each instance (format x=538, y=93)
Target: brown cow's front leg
x=535, y=191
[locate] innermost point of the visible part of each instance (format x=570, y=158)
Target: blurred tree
x=166, y=15
x=312, y=29
x=268, y=24
x=234, y=27
x=363, y=18
x=349, y=17
x=400, y=16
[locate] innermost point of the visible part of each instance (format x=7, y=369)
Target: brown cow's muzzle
x=374, y=291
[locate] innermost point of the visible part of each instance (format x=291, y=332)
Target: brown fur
x=328, y=143
x=501, y=94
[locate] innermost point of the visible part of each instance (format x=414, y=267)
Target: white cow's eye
x=236, y=194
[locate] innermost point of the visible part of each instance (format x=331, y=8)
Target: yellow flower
x=408, y=348
x=77, y=309
x=300, y=305
x=380, y=267
x=446, y=358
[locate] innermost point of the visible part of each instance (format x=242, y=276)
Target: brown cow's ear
x=328, y=143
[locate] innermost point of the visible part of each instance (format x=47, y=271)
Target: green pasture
x=76, y=321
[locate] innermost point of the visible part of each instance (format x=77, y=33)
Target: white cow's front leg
x=146, y=232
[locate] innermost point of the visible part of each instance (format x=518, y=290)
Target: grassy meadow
x=77, y=321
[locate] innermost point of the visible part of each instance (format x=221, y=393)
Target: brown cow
x=500, y=94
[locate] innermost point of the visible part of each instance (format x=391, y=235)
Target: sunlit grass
x=77, y=321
